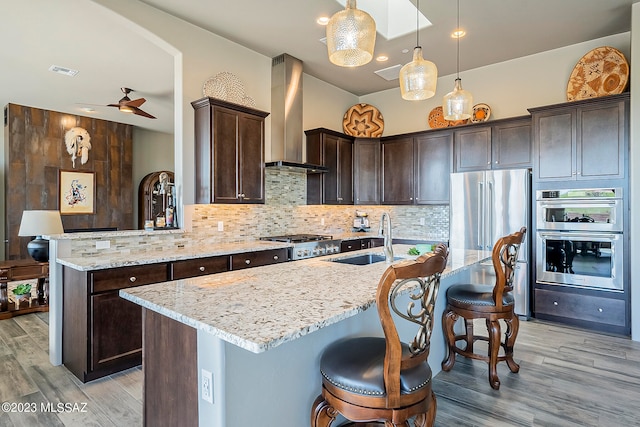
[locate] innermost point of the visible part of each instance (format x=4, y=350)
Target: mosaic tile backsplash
x=284, y=212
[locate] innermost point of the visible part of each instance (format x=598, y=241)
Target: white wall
x=509, y=88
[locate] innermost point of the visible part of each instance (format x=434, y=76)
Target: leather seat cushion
x=356, y=365
x=469, y=294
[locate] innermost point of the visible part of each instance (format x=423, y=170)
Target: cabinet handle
x=410, y=198
x=489, y=162
x=247, y=261
x=202, y=268
x=555, y=303
x=132, y=279
x=600, y=310
x=275, y=257
x=241, y=195
x=496, y=162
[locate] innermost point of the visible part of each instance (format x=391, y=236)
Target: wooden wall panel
x=35, y=153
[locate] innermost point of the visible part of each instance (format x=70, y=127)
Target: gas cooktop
x=297, y=238
x=308, y=245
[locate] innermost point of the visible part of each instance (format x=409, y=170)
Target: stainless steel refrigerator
x=485, y=206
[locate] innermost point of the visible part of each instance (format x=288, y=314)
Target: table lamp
x=39, y=223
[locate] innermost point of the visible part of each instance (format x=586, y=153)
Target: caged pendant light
x=418, y=78
x=351, y=36
x=458, y=104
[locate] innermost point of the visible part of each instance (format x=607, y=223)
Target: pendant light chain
x=418, y=23
x=458, y=42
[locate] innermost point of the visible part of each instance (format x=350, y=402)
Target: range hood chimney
x=286, y=116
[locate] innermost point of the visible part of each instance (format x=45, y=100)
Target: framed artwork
x=76, y=190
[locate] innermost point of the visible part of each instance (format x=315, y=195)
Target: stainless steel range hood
x=286, y=116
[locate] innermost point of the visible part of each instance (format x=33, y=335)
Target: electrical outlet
x=220, y=226
x=321, y=221
x=103, y=244
x=207, y=386
x=422, y=221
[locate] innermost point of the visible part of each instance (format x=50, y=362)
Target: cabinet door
x=366, y=171
x=601, y=141
x=225, y=156
x=473, y=149
x=555, y=145
x=251, y=158
x=126, y=277
x=351, y=245
x=511, y=145
x=116, y=333
x=397, y=171
x=338, y=181
x=433, y=164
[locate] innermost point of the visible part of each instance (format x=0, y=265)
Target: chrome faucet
x=385, y=222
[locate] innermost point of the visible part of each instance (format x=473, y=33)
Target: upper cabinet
x=583, y=140
x=229, y=151
x=366, y=171
x=415, y=169
x=503, y=144
x=335, y=151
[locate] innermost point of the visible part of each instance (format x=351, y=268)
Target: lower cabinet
x=184, y=269
x=258, y=258
x=364, y=243
x=588, y=311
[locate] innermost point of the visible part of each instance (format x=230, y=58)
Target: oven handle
x=479, y=237
x=570, y=234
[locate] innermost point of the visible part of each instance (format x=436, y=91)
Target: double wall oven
x=579, y=240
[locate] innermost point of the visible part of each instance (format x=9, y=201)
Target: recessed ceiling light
x=405, y=50
x=323, y=20
x=89, y=110
x=63, y=70
x=458, y=34
x=382, y=58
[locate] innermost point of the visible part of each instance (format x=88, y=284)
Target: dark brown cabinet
x=258, y=258
x=102, y=333
x=583, y=140
x=229, y=152
x=366, y=171
x=415, y=169
x=357, y=244
x=199, y=267
x=334, y=151
x=504, y=144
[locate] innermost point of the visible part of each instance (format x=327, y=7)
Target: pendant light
x=457, y=105
x=418, y=78
x=351, y=36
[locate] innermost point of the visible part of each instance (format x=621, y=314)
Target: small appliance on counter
x=361, y=221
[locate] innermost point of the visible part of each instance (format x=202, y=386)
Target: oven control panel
x=315, y=249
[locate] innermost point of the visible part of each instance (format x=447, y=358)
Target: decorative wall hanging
x=481, y=113
x=436, y=119
x=364, y=121
x=78, y=144
x=601, y=71
x=76, y=191
x=227, y=87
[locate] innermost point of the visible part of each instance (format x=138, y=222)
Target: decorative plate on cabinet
x=481, y=113
x=601, y=71
x=225, y=86
x=436, y=119
x=364, y=121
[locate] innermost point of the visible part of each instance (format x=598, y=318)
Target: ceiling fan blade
x=139, y=112
x=136, y=102
x=113, y=105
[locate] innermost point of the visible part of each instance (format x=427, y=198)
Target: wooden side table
x=15, y=270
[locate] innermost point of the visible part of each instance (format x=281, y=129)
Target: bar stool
x=370, y=379
x=489, y=302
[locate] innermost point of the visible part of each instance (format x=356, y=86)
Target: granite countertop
x=260, y=308
x=111, y=260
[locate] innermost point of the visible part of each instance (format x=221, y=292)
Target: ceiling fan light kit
x=351, y=36
x=458, y=104
x=419, y=77
x=126, y=105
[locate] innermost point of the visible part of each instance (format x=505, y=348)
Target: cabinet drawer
x=199, y=267
x=580, y=307
x=351, y=245
x=256, y=259
x=126, y=277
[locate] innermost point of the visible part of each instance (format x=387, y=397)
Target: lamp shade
x=351, y=36
x=418, y=78
x=38, y=223
x=458, y=104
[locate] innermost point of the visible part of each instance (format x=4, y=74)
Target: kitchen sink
x=365, y=259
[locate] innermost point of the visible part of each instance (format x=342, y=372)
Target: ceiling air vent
x=62, y=70
x=389, y=73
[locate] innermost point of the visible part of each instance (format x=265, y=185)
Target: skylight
x=394, y=18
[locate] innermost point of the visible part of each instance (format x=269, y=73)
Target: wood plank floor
x=568, y=377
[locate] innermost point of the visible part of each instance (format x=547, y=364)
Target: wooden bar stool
x=369, y=379
x=489, y=302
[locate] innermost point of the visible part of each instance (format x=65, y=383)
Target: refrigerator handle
x=489, y=244
x=480, y=240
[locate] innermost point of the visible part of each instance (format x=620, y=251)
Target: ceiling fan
x=126, y=105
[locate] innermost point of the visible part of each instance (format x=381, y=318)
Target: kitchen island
x=260, y=333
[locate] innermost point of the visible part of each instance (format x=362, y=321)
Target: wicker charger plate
x=436, y=119
x=601, y=71
x=364, y=121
